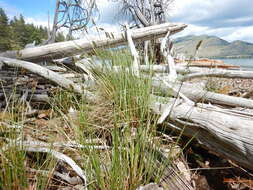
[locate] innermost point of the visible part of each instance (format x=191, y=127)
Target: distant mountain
x=213, y=47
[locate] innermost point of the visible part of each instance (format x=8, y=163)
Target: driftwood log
x=197, y=72
x=220, y=73
x=226, y=132
x=49, y=75
x=223, y=131
x=193, y=91
x=197, y=94
x=64, y=49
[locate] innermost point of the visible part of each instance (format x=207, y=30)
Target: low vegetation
x=118, y=137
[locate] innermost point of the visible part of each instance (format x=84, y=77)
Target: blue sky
x=228, y=19
x=29, y=8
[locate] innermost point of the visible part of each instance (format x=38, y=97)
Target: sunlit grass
x=120, y=120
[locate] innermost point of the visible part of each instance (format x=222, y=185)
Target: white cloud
x=110, y=12
x=37, y=22
x=215, y=11
x=241, y=33
x=191, y=30
x=229, y=19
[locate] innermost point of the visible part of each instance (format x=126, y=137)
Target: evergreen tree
x=19, y=35
x=60, y=37
x=4, y=34
x=16, y=34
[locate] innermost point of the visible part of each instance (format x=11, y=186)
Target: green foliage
x=4, y=28
x=13, y=174
x=60, y=37
x=12, y=159
x=23, y=33
x=15, y=34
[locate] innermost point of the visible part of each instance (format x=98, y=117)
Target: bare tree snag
x=148, y=12
x=64, y=49
x=71, y=14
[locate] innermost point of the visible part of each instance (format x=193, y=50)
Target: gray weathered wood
x=165, y=51
x=195, y=93
x=225, y=132
x=64, y=49
x=48, y=74
x=135, y=55
x=183, y=69
x=221, y=73
x=192, y=91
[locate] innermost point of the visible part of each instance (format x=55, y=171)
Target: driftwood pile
x=221, y=123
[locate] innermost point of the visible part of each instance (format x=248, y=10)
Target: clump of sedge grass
x=131, y=161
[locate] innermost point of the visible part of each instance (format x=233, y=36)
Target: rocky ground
x=234, y=87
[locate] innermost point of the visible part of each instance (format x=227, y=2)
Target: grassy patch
x=118, y=132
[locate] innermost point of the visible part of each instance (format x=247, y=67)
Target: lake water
x=245, y=64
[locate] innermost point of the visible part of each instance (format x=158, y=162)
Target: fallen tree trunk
x=49, y=75
x=64, y=49
x=226, y=132
x=191, y=91
x=188, y=70
x=222, y=131
x=220, y=74
x=197, y=94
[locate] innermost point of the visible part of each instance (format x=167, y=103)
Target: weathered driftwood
x=225, y=132
x=220, y=74
x=64, y=177
x=34, y=146
x=193, y=72
x=192, y=91
x=48, y=74
x=146, y=50
x=31, y=97
x=135, y=55
x=184, y=69
x=165, y=51
x=197, y=94
x=64, y=49
x=165, y=69
x=221, y=130
x=56, y=68
x=61, y=157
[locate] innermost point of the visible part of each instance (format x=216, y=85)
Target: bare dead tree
x=146, y=12
x=73, y=15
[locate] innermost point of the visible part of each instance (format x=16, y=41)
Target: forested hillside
x=16, y=33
